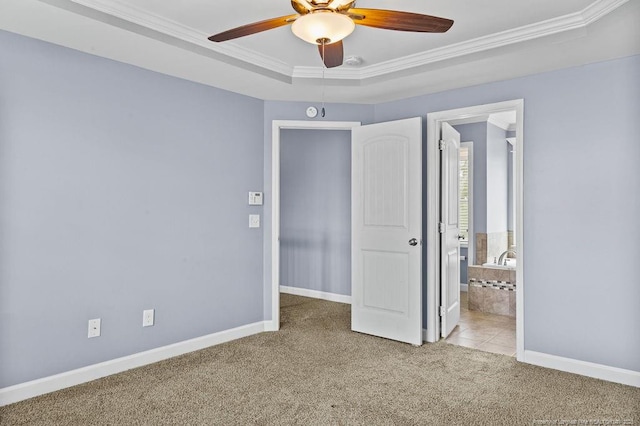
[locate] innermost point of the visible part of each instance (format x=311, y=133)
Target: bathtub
x=511, y=264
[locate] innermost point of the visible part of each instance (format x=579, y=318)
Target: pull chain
x=322, y=113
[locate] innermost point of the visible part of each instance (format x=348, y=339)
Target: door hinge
x=441, y=228
x=441, y=145
x=441, y=311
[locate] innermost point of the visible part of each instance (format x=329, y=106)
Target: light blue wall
x=123, y=190
x=580, y=197
x=315, y=210
x=120, y=190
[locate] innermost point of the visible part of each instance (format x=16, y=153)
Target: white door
x=386, y=246
x=450, y=229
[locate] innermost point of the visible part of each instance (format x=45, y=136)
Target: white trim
x=277, y=126
x=509, y=127
x=432, y=234
x=316, y=294
x=584, y=368
x=33, y=388
x=464, y=287
x=434, y=124
x=471, y=240
x=144, y=21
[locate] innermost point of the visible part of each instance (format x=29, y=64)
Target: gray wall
x=497, y=185
x=120, y=190
x=580, y=193
x=315, y=210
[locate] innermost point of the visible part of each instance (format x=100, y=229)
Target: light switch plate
x=254, y=221
x=255, y=198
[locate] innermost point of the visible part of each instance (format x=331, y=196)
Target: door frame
x=470, y=114
x=277, y=126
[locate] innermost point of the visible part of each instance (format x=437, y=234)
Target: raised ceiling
x=489, y=41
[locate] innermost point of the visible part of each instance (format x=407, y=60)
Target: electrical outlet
x=254, y=221
x=147, y=317
x=94, y=327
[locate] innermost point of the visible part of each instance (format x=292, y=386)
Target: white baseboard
x=584, y=368
x=464, y=287
x=26, y=390
x=332, y=297
x=271, y=325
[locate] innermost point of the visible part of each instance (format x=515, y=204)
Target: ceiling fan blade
x=256, y=27
x=332, y=54
x=399, y=21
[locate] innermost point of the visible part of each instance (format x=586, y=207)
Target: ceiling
x=490, y=40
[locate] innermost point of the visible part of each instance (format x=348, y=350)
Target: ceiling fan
x=326, y=22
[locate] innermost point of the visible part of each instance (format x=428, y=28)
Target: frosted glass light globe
x=323, y=25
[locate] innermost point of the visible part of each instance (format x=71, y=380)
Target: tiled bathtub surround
x=492, y=290
x=510, y=243
x=493, y=297
x=482, y=273
x=490, y=246
x=481, y=248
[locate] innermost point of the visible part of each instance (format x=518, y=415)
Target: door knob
x=413, y=242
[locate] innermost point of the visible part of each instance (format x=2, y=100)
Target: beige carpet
x=317, y=372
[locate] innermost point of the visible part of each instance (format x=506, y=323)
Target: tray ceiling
x=490, y=40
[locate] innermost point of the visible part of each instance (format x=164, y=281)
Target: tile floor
x=486, y=332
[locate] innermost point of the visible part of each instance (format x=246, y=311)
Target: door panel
x=386, y=215
x=384, y=168
x=381, y=268
x=449, y=242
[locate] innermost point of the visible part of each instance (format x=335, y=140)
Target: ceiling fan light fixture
x=323, y=25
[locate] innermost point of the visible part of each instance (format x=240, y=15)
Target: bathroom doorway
x=490, y=313
x=487, y=297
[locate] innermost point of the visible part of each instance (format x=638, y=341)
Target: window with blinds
x=463, y=204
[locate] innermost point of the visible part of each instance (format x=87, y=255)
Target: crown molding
x=331, y=73
x=549, y=27
x=546, y=28
x=140, y=17
x=181, y=32
x=600, y=8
